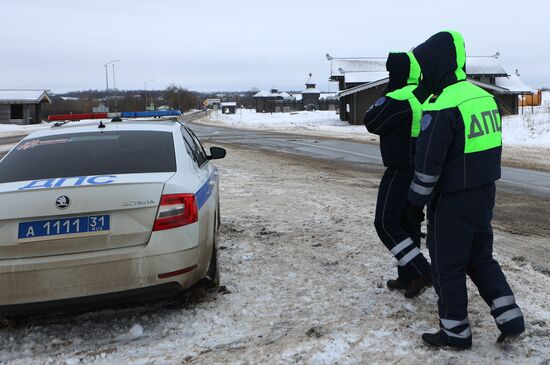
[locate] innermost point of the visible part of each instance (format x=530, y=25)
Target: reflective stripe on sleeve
x=422, y=190
x=503, y=302
x=401, y=246
x=428, y=179
x=508, y=316
x=408, y=257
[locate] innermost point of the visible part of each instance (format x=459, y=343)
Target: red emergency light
x=59, y=117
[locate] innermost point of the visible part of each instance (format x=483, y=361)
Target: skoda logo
x=62, y=202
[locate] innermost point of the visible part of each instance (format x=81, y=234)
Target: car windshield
x=92, y=153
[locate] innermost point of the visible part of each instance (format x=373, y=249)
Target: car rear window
x=93, y=153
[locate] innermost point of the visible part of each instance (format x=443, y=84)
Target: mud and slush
x=304, y=276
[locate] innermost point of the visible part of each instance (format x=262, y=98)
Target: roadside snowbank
x=320, y=122
x=8, y=130
x=527, y=130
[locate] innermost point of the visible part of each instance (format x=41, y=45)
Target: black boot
x=418, y=286
x=509, y=336
x=398, y=284
x=440, y=340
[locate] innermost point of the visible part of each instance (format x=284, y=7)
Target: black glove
x=415, y=213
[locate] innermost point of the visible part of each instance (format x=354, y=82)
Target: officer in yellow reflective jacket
x=395, y=117
x=457, y=163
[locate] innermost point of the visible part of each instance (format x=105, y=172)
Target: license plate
x=64, y=227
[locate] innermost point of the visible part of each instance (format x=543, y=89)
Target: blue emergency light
x=151, y=114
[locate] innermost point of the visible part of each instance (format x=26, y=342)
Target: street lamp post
x=107, y=77
x=145, y=83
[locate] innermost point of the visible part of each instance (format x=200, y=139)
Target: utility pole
x=114, y=89
x=107, y=77
x=145, y=83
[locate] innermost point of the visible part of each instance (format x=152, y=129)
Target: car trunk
x=69, y=209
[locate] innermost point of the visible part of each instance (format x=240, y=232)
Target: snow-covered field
x=321, y=122
x=525, y=130
x=305, y=274
x=8, y=130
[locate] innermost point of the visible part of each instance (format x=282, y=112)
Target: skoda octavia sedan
x=104, y=211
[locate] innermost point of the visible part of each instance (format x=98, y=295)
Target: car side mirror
x=216, y=153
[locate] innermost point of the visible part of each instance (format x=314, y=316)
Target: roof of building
x=362, y=67
x=366, y=86
x=356, y=77
x=513, y=83
x=266, y=94
x=500, y=88
x=228, y=103
x=311, y=91
x=495, y=88
x=328, y=96
x=310, y=80
x=476, y=65
x=24, y=96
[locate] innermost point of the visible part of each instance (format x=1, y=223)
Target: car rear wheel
x=212, y=279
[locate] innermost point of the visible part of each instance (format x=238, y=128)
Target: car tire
x=212, y=279
x=218, y=218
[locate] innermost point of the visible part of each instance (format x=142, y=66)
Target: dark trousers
x=396, y=230
x=460, y=240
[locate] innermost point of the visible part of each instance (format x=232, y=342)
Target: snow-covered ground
x=527, y=130
x=306, y=277
x=321, y=122
x=8, y=130
x=524, y=130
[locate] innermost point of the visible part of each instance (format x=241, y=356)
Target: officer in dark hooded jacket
x=457, y=163
x=395, y=117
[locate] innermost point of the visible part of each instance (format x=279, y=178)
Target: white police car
x=100, y=211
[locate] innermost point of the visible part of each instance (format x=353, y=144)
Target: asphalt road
x=365, y=155
x=514, y=180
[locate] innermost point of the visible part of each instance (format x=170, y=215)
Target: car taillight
x=176, y=210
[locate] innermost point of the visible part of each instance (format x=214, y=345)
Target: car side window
x=194, y=150
x=199, y=144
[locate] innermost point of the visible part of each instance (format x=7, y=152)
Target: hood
x=403, y=68
x=443, y=61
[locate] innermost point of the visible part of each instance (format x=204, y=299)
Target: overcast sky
x=62, y=45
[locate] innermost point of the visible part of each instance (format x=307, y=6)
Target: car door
x=206, y=194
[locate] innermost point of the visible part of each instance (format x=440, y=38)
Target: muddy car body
x=101, y=211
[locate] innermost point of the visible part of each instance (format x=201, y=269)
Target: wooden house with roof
x=361, y=80
x=22, y=106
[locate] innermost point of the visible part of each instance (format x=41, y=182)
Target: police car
x=106, y=210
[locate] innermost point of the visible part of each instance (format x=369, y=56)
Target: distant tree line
x=77, y=102
x=244, y=98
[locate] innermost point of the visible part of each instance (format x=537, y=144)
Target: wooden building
x=229, y=107
x=264, y=100
x=311, y=98
x=22, y=106
x=362, y=80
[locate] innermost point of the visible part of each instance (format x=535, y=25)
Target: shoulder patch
x=380, y=101
x=425, y=122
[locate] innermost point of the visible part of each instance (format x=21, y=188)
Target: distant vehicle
x=104, y=211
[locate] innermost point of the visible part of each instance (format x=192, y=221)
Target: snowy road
x=305, y=274
x=514, y=179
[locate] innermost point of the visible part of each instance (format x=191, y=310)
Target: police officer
x=395, y=117
x=457, y=163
